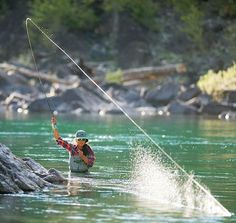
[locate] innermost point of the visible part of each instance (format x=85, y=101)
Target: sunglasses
x=81, y=139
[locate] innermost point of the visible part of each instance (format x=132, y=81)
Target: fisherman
x=81, y=156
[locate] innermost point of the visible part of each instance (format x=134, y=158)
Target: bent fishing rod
x=122, y=110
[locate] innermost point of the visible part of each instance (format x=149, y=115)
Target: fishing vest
x=76, y=163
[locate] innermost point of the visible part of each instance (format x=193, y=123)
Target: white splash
x=153, y=181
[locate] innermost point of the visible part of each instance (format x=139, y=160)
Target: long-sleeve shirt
x=76, y=163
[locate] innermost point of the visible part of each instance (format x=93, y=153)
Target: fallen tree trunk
x=29, y=73
x=152, y=72
x=144, y=74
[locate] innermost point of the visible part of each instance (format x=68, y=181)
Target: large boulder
x=122, y=93
x=24, y=175
x=86, y=99
x=189, y=93
x=41, y=105
x=162, y=95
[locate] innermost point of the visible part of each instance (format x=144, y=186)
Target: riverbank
x=71, y=94
x=202, y=39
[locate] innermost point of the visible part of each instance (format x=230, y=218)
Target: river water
x=132, y=180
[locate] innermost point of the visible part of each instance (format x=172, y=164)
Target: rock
x=189, y=93
x=228, y=115
x=162, y=95
x=122, y=93
x=2, y=109
x=77, y=111
x=23, y=175
x=178, y=107
x=35, y=167
x=146, y=111
x=7, y=185
x=11, y=79
x=200, y=101
x=215, y=108
x=88, y=100
x=2, y=96
x=54, y=176
x=110, y=109
x=230, y=96
x=41, y=105
x=65, y=107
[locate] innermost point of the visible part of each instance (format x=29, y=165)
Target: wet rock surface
x=24, y=175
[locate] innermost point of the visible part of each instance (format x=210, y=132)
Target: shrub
x=215, y=83
x=114, y=77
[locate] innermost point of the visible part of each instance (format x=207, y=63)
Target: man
x=81, y=155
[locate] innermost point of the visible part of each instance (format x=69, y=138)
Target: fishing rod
x=53, y=112
x=227, y=213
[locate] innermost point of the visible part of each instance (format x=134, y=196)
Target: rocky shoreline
x=25, y=95
x=24, y=175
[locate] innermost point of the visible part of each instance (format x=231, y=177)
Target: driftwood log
x=152, y=72
x=33, y=74
x=24, y=175
x=143, y=75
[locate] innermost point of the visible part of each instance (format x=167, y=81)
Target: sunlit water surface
x=131, y=181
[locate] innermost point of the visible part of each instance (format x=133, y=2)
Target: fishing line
x=123, y=111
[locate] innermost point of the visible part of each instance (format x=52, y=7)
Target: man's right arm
x=57, y=136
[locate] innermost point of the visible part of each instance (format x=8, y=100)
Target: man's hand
x=83, y=157
x=54, y=120
x=54, y=127
x=81, y=154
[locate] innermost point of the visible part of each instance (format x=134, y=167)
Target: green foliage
x=3, y=8
x=70, y=14
x=192, y=17
x=222, y=8
x=215, y=84
x=230, y=36
x=114, y=77
x=144, y=12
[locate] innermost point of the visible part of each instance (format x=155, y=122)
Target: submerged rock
x=24, y=175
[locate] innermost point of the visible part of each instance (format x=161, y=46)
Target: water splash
x=153, y=181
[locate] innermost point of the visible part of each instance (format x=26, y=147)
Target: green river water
x=131, y=180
